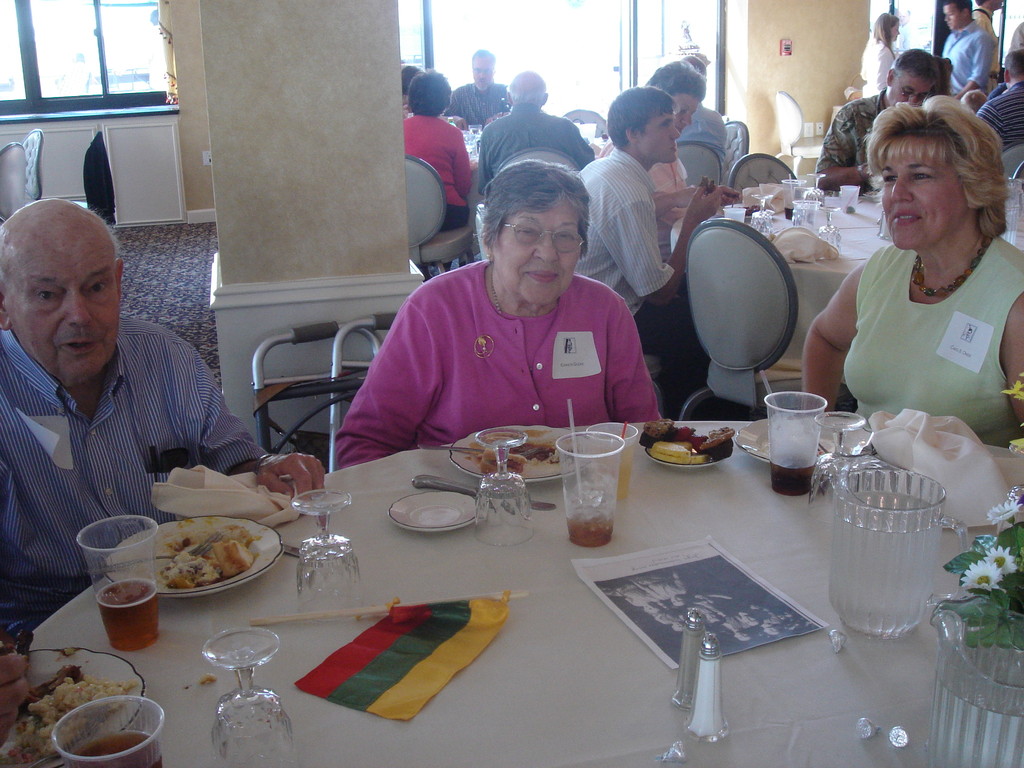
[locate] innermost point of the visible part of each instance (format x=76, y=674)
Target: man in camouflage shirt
x=844, y=151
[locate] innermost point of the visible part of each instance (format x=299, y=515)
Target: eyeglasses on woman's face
x=564, y=241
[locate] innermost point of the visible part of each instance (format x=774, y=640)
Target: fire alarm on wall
x=785, y=47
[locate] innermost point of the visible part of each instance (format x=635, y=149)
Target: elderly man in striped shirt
x=94, y=408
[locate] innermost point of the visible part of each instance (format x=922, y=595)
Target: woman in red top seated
x=433, y=139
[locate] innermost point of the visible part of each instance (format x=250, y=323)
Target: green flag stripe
x=390, y=666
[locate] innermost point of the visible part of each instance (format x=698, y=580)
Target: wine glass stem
x=244, y=677
x=501, y=458
x=323, y=520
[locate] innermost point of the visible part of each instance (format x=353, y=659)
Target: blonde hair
x=945, y=131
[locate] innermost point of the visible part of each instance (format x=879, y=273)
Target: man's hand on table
x=291, y=473
x=13, y=690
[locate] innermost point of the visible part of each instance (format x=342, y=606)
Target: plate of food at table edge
x=675, y=444
x=535, y=460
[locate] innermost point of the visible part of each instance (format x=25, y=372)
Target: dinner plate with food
x=239, y=550
x=675, y=444
x=61, y=679
x=535, y=460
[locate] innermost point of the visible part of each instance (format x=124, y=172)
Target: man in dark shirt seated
x=528, y=127
x=481, y=101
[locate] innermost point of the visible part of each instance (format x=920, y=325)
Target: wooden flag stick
x=369, y=611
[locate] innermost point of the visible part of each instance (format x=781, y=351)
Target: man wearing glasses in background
x=481, y=101
x=844, y=156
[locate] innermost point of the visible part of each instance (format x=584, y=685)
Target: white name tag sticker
x=574, y=355
x=53, y=434
x=966, y=342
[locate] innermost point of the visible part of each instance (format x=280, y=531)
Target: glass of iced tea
x=114, y=732
x=590, y=478
x=793, y=439
x=119, y=555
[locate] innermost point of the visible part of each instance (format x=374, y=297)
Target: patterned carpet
x=167, y=281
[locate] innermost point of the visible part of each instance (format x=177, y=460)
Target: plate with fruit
x=675, y=444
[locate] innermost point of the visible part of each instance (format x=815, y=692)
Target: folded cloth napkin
x=947, y=450
x=200, y=492
x=396, y=666
x=800, y=244
x=777, y=203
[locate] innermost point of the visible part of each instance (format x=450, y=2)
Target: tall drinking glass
x=118, y=553
x=590, y=475
x=631, y=435
x=793, y=439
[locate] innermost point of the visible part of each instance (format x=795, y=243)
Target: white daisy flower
x=1002, y=558
x=1002, y=512
x=982, y=575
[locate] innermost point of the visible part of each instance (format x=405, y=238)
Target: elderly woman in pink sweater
x=507, y=340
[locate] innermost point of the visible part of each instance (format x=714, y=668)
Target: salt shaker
x=706, y=720
x=689, y=655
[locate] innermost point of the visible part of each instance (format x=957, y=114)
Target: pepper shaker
x=706, y=720
x=689, y=655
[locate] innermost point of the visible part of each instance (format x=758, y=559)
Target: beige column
x=309, y=185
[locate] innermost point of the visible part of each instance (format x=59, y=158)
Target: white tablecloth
x=565, y=683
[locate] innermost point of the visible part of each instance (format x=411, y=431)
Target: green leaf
x=983, y=543
x=1012, y=538
x=963, y=561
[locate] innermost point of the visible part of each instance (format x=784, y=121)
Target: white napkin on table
x=777, y=203
x=800, y=244
x=201, y=492
x=945, y=449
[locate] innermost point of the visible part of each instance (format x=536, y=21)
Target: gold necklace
x=494, y=293
x=917, y=273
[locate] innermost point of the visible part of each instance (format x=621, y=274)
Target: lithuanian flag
x=397, y=665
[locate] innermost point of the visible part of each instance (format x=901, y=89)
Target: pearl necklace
x=917, y=273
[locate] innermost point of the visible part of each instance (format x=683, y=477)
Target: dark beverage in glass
x=129, y=612
x=791, y=481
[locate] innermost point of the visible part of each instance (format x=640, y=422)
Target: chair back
x=1019, y=173
x=1012, y=158
x=758, y=168
x=33, y=144
x=789, y=119
x=424, y=198
x=540, y=153
x=737, y=143
x=744, y=305
x=586, y=116
x=13, y=176
x=699, y=159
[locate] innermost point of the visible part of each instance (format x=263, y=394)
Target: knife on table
x=440, y=484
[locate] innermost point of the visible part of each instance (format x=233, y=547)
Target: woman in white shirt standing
x=879, y=54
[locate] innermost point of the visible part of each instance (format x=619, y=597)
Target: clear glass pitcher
x=885, y=549
x=978, y=706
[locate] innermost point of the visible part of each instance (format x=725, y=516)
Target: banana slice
x=677, y=453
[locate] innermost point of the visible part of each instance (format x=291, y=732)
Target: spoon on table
x=440, y=484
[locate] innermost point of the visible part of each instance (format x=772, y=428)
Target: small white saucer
x=433, y=512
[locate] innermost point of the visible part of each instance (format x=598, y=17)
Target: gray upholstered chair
x=737, y=144
x=13, y=179
x=757, y=168
x=430, y=249
x=33, y=143
x=744, y=305
x=586, y=116
x=541, y=153
x=1012, y=158
x=699, y=159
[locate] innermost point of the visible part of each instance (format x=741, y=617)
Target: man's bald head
x=528, y=88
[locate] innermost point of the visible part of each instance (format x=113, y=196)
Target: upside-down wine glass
x=502, y=501
x=815, y=192
x=251, y=727
x=328, y=571
x=829, y=465
x=829, y=232
x=763, y=220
